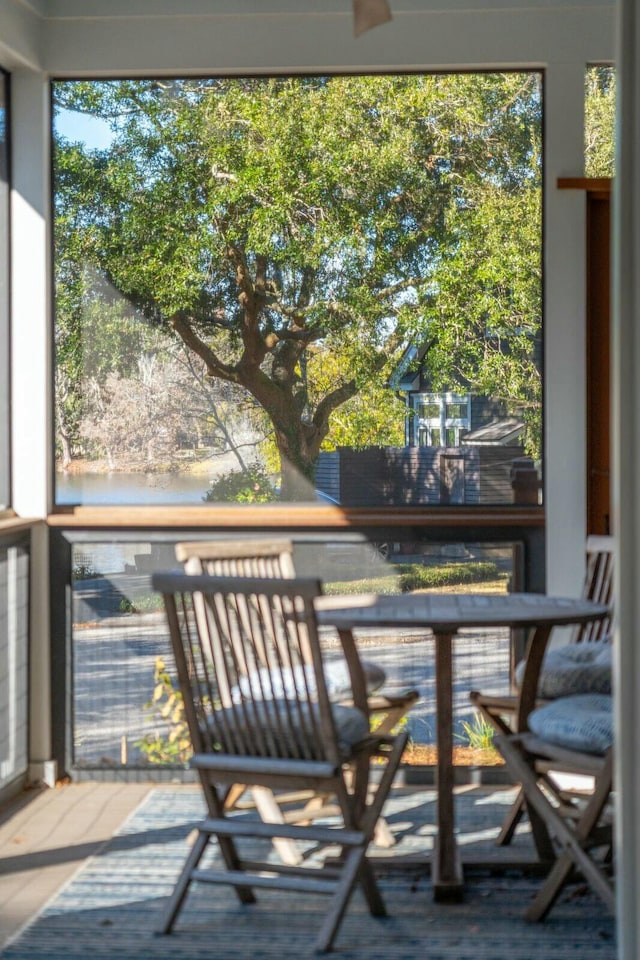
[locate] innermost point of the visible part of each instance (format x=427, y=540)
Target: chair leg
x=557, y=878
x=382, y=836
x=539, y=829
x=351, y=868
x=514, y=816
x=184, y=880
x=180, y=890
x=371, y=890
x=235, y=791
x=354, y=864
x=270, y=812
x=575, y=841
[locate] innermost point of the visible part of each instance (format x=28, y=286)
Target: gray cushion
x=352, y=726
x=583, y=722
x=275, y=684
x=574, y=668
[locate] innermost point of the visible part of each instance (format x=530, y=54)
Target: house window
x=429, y=411
x=241, y=272
x=442, y=416
x=4, y=291
x=456, y=411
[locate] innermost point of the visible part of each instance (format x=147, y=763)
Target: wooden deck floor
x=47, y=834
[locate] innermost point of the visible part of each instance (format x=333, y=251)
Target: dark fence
x=420, y=476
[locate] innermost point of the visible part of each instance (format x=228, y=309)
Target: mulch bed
x=421, y=755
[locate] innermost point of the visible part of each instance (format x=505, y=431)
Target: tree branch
x=215, y=366
x=330, y=403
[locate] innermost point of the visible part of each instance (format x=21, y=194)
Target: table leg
x=446, y=870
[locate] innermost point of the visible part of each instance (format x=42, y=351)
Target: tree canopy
x=600, y=113
x=297, y=233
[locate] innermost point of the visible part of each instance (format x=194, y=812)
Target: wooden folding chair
x=277, y=729
x=504, y=712
x=579, y=826
x=273, y=557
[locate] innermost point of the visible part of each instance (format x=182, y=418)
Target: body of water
x=129, y=488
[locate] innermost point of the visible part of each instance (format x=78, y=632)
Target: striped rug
x=111, y=907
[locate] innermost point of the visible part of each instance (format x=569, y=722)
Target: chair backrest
x=250, y=666
x=598, y=586
x=238, y=558
x=257, y=558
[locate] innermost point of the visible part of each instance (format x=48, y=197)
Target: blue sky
x=91, y=131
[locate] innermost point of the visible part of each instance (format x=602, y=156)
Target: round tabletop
x=449, y=612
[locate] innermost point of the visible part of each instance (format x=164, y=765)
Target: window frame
x=325, y=517
x=5, y=294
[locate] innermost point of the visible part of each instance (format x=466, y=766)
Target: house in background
x=449, y=418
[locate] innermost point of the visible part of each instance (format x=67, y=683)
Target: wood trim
x=598, y=349
x=591, y=184
x=295, y=517
x=17, y=524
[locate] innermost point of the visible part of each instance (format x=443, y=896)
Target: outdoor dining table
x=445, y=615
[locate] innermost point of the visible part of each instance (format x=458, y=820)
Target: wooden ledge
x=12, y=524
x=298, y=516
x=590, y=184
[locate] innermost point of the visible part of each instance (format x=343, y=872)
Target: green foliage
x=388, y=584
x=170, y=742
x=268, y=223
x=373, y=417
x=414, y=576
x=151, y=604
x=478, y=734
x=241, y=486
x=405, y=577
x=486, y=318
x=375, y=719
x=83, y=569
x=600, y=116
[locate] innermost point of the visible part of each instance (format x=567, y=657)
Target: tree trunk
x=297, y=467
x=66, y=449
x=294, y=484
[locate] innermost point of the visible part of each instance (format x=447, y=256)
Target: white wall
x=31, y=340
x=255, y=36
x=31, y=354
x=20, y=33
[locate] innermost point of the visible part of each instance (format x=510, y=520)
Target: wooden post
x=525, y=481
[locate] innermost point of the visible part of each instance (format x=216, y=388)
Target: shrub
x=150, y=604
x=404, y=577
x=478, y=734
x=414, y=576
x=166, y=707
x=241, y=486
x=83, y=570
